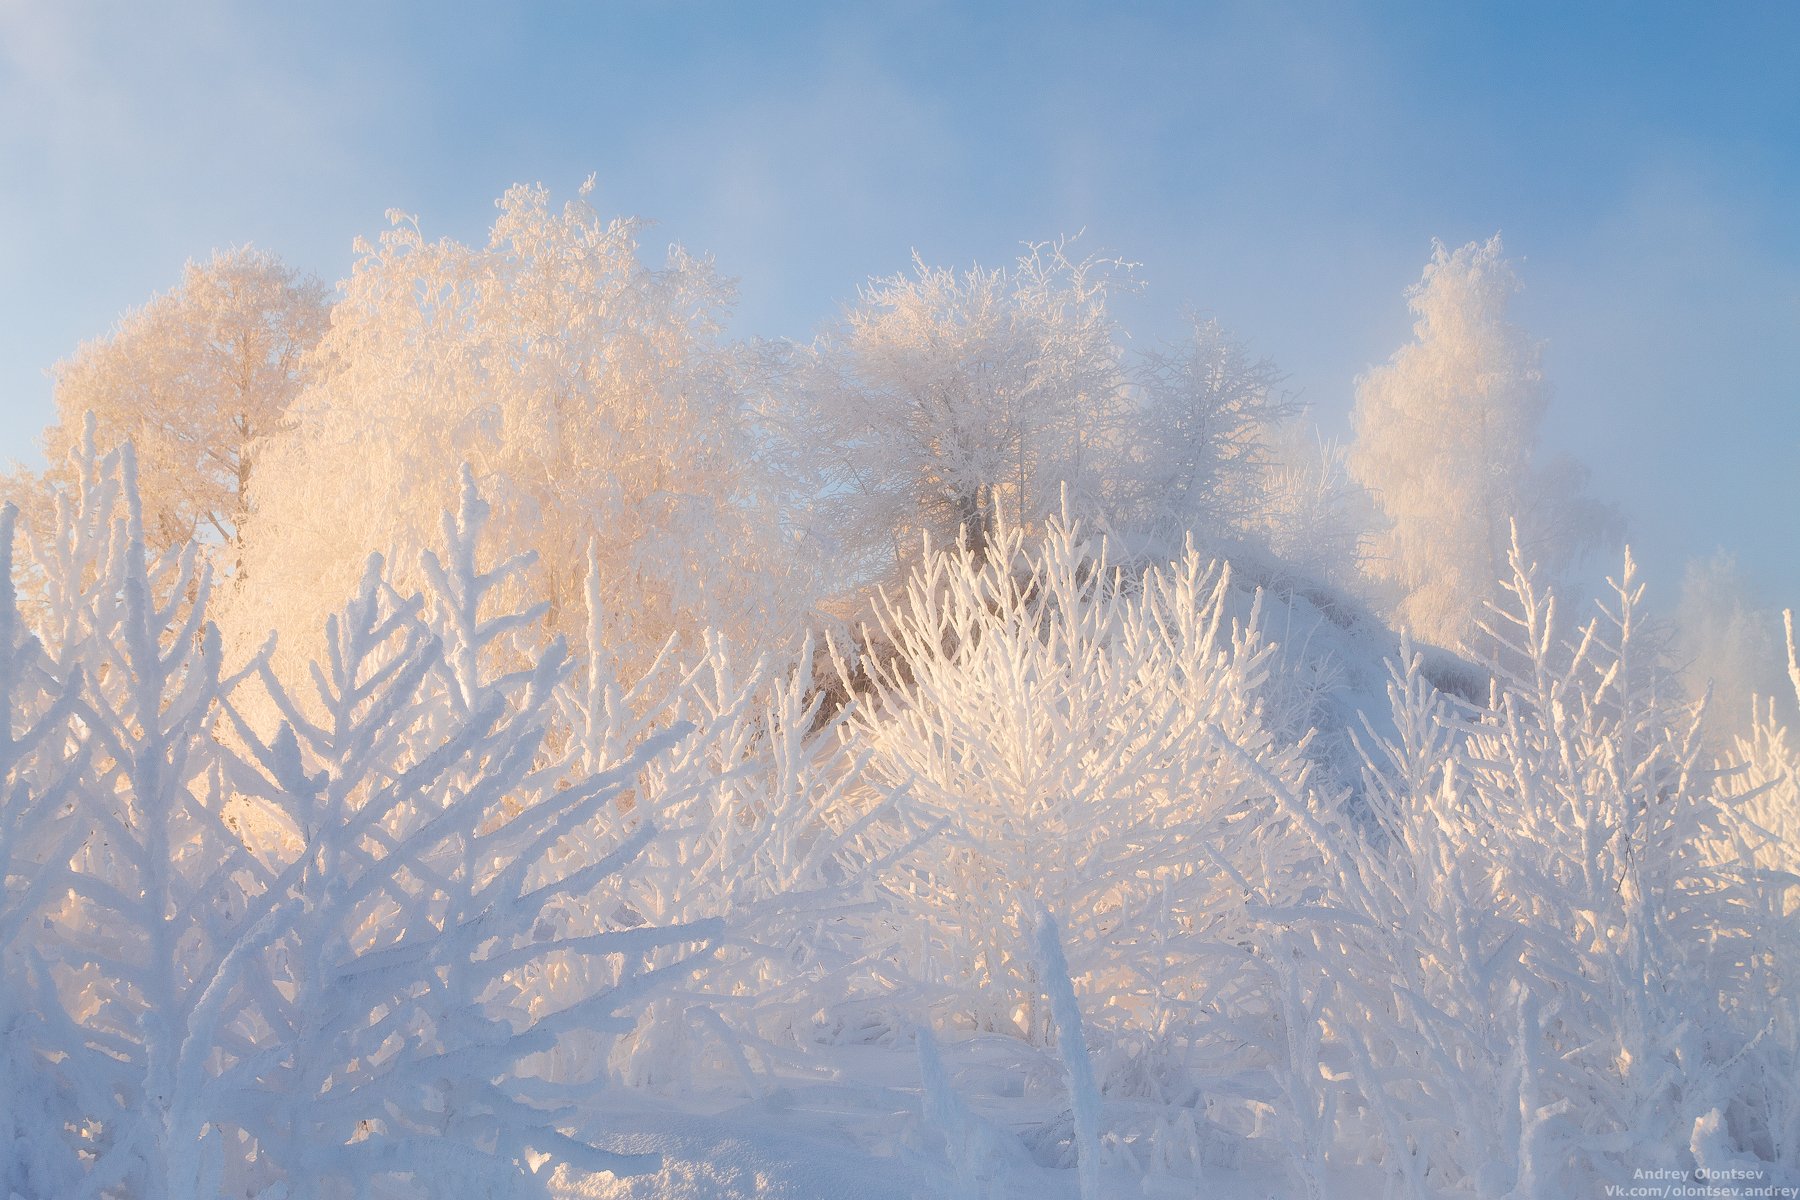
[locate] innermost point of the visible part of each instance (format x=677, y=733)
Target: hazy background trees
x=1729, y=644
x=736, y=486
x=1199, y=444
x=949, y=402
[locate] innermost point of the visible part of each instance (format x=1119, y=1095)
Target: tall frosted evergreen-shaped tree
x=1446, y=440
x=195, y=380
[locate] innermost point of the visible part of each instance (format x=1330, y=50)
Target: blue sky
x=1283, y=167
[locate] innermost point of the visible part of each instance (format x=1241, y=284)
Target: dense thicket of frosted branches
x=388, y=940
x=565, y=789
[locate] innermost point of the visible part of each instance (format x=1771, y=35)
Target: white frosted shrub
x=42, y=754
x=1552, y=961
x=768, y=823
x=406, y=929
x=1096, y=745
x=308, y=963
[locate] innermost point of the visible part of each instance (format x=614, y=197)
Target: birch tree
x=195, y=380
x=590, y=392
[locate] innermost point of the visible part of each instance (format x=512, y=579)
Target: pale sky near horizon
x=1283, y=167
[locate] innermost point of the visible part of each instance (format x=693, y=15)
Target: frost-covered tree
x=147, y=897
x=452, y=918
x=306, y=965
x=1102, y=750
x=947, y=402
x=1547, y=957
x=590, y=392
x=194, y=379
x=1772, y=775
x=43, y=754
x=1446, y=442
x=1200, y=438
x=772, y=826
